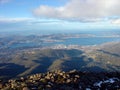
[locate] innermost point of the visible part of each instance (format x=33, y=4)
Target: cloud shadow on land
x=11, y=70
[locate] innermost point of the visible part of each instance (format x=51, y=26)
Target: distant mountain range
x=101, y=58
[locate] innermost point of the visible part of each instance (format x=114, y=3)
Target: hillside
x=99, y=58
x=107, y=56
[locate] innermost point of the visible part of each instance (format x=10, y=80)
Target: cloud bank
x=83, y=10
x=14, y=20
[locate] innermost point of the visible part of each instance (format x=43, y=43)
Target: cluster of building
x=62, y=46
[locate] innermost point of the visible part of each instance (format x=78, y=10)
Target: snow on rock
x=111, y=80
x=98, y=84
x=88, y=89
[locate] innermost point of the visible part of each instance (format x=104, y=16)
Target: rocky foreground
x=60, y=80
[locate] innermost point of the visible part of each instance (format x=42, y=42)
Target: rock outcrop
x=60, y=80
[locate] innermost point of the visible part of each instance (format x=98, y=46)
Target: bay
x=86, y=41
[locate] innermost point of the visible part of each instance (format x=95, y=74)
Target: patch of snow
x=111, y=80
x=80, y=87
x=88, y=89
x=98, y=84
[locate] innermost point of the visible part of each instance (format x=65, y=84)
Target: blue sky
x=59, y=14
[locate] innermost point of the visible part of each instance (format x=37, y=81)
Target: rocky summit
x=60, y=80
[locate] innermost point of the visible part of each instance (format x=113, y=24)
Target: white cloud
x=28, y=21
x=14, y=20
x=116, y=22
x=84, y=10
x=4, y=1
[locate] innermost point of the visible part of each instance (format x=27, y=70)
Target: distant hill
x=100, y=58
x=107, y=56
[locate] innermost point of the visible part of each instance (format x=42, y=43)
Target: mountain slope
x=99, y=58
